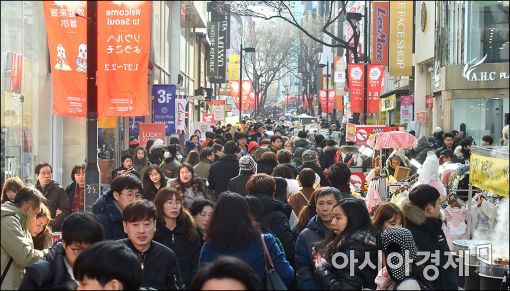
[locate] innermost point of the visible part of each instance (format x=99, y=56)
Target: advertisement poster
x=406, y=109
x=489, y=173
x=123, y=45
x=375, y=77
x=358, y=180
x=181, y=113
x=208, y=117
x=401, y=38
x=163, y=106
x=202, y=126
x=356, y=86
x=429, y=101
x=388, y=103
x=233, y=67
x=151, y=131
x=218, y=110
x=67, y=35
x=361, y=133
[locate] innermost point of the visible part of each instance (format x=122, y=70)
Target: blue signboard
x=163, y=106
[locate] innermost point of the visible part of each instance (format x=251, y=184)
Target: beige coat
x=16, y=243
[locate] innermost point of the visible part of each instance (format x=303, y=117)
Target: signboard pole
x=241, y=83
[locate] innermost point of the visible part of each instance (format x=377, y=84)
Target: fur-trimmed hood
x=458, y=152
x=414, y=214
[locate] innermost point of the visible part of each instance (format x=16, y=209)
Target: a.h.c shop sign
x=475, y=75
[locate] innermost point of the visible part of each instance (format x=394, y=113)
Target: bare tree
x=269, y=63
x=281, y=10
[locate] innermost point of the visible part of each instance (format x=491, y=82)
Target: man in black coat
x=226, y=168
x=310, y=160
x=422, y=214
x=247, y=167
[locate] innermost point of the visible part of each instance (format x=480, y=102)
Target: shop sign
x=380, y=28
x=375, y=77
x=218, y=109
x=406, y=108
x=361, y=133
x=351, y=132
x=472, y=75
x=151, y=131
x=401, y=38
x=358, y=181
x=475, y=76
x=356, y=86
x=421, y=117
x=208, y=117
x=489, y=173
x=163, y=106
x=429, y=101
x=389, y=103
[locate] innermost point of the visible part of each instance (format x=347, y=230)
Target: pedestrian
x=397, y=243
x=226, y=273
x=224, y=169
x=125, y=189
x=56, y=197
x=16, y=242
x=206, y=160
x=153, y=180
x=422, y=211
x=285, y=172
x=301, y=141
x=387, y=215
x=171, y=161
x=328, y=155
x=487, y=140
x=276, y=215
x=160, y=268
x=259, y=133
x=219, y=151
x=140, y=160
x=276, y=143
x=177, y=230
x=79, y=231
x=463, y=150
x=156, y=152
x=189, y=186
x=192, y=144
x=340, y=177
x=10, y=188
x=234, y=232
x=352, y=235
x=247, y=168
x=447, y=143
x=298, y=199
x=202, y=210
x=310, y=160
x=252, y=148
x=242, y=141
x=267, y=163
x=76, y=190
x=108, y=265
x=39, y=229
x=126, y=166
x=313, y=227
x=289, y=146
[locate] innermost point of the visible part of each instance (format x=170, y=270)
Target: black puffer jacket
x=328, y=156
x=57, y=199
x=49, y=274
x=187, y=251
x=276, y=220
x=429, y=237
x=221, y=172
x=110, y=216
x=358, y=244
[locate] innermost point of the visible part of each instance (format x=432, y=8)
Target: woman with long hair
x=40, y=230
x=177, y=230
x=353, y=238
x=153, y=180
x=202, y=210
x=387, y=215
x=234, y=232
x=10, y=188
x=189, y=186
x=193, y=158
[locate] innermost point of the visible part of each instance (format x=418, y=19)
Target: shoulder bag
x=273, y=280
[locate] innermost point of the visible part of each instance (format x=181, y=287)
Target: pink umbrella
x=394, y=140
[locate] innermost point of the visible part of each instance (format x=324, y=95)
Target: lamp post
x=248, y=50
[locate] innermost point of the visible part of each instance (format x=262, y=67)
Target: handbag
x=273, y=280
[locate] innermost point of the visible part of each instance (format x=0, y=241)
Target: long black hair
x=358, y=219
x=148, y=186
x=232, y=225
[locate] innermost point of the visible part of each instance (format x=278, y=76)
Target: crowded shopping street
x=255, y=145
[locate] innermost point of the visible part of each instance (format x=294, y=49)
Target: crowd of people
x=229, y=210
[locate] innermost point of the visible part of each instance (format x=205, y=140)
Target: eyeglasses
x=132, y=196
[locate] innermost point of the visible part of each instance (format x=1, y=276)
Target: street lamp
x=248, y=50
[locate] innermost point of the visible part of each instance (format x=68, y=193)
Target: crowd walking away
x=260, y=205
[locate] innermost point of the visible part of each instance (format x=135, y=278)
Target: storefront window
x=488, y=32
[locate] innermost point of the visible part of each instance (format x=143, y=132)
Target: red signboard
x=361, y=133
x=208, y=117
x=151, y=131
x=356, y=86
x=375, y=77
x=429, y=101
x=358, y=180
x=421, y=117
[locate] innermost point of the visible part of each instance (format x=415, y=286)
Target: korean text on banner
x=123, y=57
x=489, y=173
x=218, y=110
x=429, y=101
x=406, y=108
x=208, y=117
x=401, y=38
x=246, y=89
x=328, y=95
x=356, y=86
x=380, y=28
x=163, y=106
x=389, y=103
x=375, y=77
x=180, y=113
x=151, y=131
x=67, y=43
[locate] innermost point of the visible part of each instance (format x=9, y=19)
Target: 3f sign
x=164, y=98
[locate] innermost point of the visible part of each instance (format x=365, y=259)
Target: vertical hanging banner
x=331, y=101
x=339, y=78
x=123, y=48
x=406, y=108
x=67, y=43
x=233, y=67
x=375, y=77
x=251, y=101
x=163, y=106
x=429, y=101
x=218, y=110
x=380, y=29
x=401, y=38
x=327, y=100
x=235, y=90
x=151, y=131
x=180, y=113
x=356, y=86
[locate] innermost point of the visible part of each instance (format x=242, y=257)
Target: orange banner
x=401, y=38
x=123, y=57
x=67, y=42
